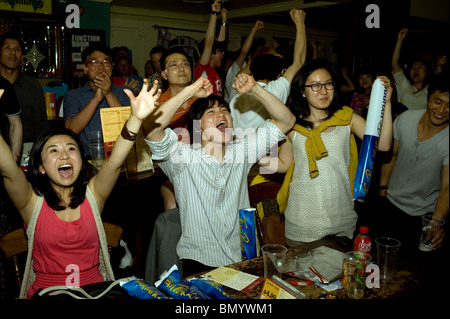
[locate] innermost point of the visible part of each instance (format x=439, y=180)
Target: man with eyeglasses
x=176, y=70
x=82, y=105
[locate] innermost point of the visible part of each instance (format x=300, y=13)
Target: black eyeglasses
x=107, y=63
x=316, y=87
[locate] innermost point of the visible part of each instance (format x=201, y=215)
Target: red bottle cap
x=364, y=230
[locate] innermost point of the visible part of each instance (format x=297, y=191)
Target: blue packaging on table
x=211, y=288
x=249, y=243
x=141, y=289
x=369, y=144
x=171, y=284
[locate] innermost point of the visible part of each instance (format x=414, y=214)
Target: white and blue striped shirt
x=209, y=194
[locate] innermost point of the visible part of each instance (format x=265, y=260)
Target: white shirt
x=407, y=93
x=209, y=194
x=248, y=112
x=229, y=80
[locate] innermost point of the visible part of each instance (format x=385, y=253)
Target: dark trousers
x=191, y=267
x=393, y=222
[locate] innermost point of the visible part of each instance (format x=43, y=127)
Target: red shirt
x=211, y=74
x=60, y=247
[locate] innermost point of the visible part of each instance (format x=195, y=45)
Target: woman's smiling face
x=322, y=99
x=61, y=160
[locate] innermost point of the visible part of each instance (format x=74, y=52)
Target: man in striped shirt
x=210, y=176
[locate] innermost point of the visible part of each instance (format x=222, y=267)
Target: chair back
x=13, y=244
x=113, y=235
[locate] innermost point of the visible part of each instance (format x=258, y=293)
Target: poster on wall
x=77, y=41
x=31, y=6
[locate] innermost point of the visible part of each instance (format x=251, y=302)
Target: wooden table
x=405, y=283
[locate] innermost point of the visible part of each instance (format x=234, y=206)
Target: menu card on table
x=113, y=119
x=234, y=279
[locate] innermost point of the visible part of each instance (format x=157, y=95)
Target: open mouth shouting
x=222, y=126
x=65, y=170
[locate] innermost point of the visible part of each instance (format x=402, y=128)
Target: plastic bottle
x=362, y=242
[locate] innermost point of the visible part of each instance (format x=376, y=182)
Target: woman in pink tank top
x=65, y=233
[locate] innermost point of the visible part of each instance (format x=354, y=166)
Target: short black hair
x=172, y=50
x=216, y=45
x=14, y=36
x=157, y=49
x=96, y=47
x=439, y=82
x=266, y=66
x=199, y=107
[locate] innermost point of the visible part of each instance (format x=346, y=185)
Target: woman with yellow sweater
x=316, y=195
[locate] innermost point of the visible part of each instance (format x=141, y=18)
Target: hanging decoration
x=163, y=37
x=188, y=45
x=34, y=56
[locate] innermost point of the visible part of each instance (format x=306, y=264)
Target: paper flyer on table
x=234, y=279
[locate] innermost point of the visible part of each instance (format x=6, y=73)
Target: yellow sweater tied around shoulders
x=315, y=149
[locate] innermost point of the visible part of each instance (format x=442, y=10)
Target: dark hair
x=266, y=66
x=41, y=183
x=157, y=49
x=96, y=47
x=297, y=103
x=216, y=45
x=439, y=82
x=123, y=57
x=199, y=107
x=170, y=51
x=13, y=36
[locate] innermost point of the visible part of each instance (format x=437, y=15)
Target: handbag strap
x=60, y=290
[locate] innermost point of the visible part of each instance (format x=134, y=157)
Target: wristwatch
x=128, y=135
x=382, y=187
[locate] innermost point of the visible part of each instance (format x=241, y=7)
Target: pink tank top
x=60, y=247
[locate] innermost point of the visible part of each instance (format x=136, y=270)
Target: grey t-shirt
x=416, y=179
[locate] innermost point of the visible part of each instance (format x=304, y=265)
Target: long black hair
x=41, y=183
x=297, y=103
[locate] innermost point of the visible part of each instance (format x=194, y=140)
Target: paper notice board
x=113, y=119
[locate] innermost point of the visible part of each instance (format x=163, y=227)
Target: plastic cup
x=274, y=258
x=430, y=227
x=387, y=250
x=95, y=137
x=97, y=154
x=354, y=273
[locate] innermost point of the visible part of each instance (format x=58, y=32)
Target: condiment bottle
x=362, y=242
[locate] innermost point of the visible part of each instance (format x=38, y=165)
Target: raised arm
x=298, y=16
x=358, y=124
x=248, y=43
x=15, y=135
x=210, y=34
x=160, y=117
x=16, y=184
x=223, y=27
x=281, y=116
x=141, y=106
x=397, y=50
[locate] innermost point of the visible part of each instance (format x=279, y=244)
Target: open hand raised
x=145, y=103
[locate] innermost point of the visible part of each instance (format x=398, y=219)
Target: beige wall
x=134, y=28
